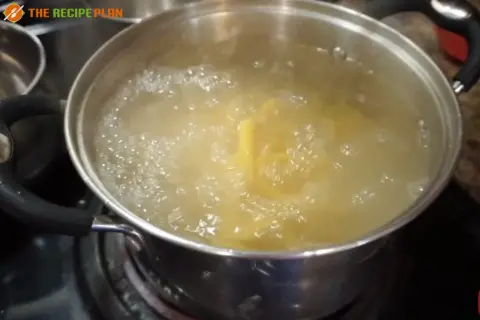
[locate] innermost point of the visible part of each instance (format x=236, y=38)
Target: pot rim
x=441, y=178
x=41, y=53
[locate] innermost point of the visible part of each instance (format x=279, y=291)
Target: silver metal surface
x=310, y=283
x=54, y=26
x=74, y=46
x=22, y=60
x=106, y=224
x=458, y=87
x=136, y=11
x=5, y=148
x=451, y=9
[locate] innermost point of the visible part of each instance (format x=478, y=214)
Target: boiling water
x=254, y=159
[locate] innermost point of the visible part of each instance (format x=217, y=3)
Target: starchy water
x=255, y=159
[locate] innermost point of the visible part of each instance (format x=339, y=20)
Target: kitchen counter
x=420, y=30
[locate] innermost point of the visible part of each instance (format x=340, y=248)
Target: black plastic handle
x=37, y=162
x=457, y=16
x=15, y=200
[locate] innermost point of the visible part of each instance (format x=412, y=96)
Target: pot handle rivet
x=458, y=87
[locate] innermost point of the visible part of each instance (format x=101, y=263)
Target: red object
x=454, y=45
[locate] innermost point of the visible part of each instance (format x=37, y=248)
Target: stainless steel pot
x=22, y=61
x=229, y=284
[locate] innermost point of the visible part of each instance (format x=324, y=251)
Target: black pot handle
x=33, y=167
x=15, y=200
x=457, y=16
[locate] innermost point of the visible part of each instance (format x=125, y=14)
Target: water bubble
x=416, y=188
x=257, y=64
x=339, y=54
x=362, y=98
x=424, y=134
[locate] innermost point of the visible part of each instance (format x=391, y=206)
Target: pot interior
x=342, y=55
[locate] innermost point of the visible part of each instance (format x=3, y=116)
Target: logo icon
x=13, y=12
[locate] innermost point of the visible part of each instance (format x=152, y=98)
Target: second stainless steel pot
x=230, y=284
x=22, y=65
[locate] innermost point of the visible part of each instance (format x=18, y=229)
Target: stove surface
x=431, y=268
